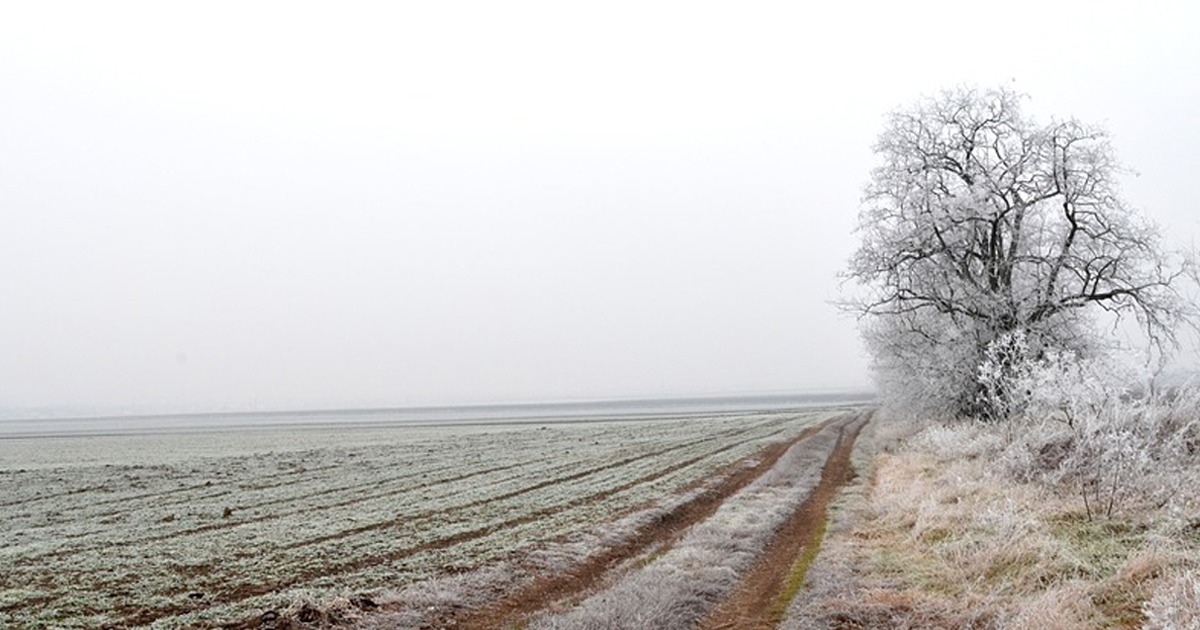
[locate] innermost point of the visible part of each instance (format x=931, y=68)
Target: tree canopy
x=978, y=223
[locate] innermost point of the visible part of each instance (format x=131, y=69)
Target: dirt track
x=546, y=590
x=755, y=602
x=758, y=603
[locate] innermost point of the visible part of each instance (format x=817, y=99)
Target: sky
x=258, y=205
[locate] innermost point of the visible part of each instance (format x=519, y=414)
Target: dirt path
x=762, y=598
x=509, y=612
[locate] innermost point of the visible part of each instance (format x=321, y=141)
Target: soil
x=756, y=603
x=546, y=590
x=743, y=609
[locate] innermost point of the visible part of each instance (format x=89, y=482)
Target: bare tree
x=979, y=222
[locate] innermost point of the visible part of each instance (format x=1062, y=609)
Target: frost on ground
x=676, y=589
x=427, y=603
x=205, y=529
x=955, y=526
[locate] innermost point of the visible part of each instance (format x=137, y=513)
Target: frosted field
x=174, y=530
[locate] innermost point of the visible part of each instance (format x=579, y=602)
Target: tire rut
x=549, y=589
x=760, y=600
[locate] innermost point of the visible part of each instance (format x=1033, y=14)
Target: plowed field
x=204, y=529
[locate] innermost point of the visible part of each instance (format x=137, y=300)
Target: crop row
x=194, y=540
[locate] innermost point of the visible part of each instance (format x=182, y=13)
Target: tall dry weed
x=949, y=537
x=1076, y=509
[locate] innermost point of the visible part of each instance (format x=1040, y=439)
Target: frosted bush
x=1073, y=422
x=1143, y=449
x=1019, y=380
x=1034, y=448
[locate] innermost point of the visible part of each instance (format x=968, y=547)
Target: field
x=204, y=529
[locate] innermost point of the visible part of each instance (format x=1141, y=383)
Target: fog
x=247, y=206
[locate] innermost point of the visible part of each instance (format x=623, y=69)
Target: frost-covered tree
x=980, y=222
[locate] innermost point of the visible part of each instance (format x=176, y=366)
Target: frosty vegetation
x=997, y=262
x=989, y=245
x=981, y=223
x=940, y=532
x=1075, y=425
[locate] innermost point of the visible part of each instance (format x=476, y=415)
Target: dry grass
x=936, y=535
x=1176, y=604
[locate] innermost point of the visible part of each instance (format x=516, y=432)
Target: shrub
x=1075, y=423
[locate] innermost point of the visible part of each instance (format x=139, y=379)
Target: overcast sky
x=281, y=205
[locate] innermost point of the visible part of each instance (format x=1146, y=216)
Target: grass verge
x=933, y=535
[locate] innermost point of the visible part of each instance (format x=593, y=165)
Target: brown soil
x=546, y=590
x=756, y=603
